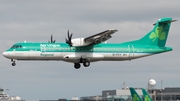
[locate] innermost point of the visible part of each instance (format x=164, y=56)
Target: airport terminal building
x=166, y=94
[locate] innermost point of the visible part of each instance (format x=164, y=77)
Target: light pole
x=161, y=90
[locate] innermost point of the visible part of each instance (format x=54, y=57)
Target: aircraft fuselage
x=63, y=52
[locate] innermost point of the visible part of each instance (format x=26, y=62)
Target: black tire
x=13, y=64
x=86, y=64
x=77, y=65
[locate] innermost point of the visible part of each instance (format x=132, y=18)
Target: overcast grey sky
x=36, y=20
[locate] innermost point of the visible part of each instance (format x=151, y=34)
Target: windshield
x=16, y=46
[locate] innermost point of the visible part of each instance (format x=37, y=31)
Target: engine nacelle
x=78, y=42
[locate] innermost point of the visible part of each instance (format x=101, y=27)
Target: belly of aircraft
x=74, y=57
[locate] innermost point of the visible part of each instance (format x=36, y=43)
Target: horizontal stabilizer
x=165, y=21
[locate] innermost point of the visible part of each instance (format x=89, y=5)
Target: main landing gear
x=85, y=62
x=13, y=62
x=77, y=65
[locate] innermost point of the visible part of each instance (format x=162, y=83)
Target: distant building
x=167, y=94
x=113, y=95
x=5, y=97
x=92, y=98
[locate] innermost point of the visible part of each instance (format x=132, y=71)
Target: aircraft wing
x=100, y=37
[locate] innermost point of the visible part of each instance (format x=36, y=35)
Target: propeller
x=68, y=40
x=52, y=41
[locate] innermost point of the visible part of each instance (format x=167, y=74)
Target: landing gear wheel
x=77, y=65
x=13, y=64
x=86, y=63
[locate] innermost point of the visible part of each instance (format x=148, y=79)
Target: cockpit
x=16, y=46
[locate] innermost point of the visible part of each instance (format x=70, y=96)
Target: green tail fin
x=134, y=95
x=146, y=95
x=158, y=35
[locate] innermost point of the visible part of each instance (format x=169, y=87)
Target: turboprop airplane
x=93, y=48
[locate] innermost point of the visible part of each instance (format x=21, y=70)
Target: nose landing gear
x=13, y=62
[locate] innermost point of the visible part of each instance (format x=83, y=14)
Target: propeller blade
x=51, y=38
x=68, y=34
x=70, y=37
x=68, y=40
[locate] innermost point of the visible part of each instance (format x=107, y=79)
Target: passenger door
x=131, y=51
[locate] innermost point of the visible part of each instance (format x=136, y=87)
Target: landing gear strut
x=13, y=62
x=85, y=62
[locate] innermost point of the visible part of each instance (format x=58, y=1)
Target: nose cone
x=5, y=54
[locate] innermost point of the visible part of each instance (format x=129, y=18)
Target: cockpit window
x=16, y=46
